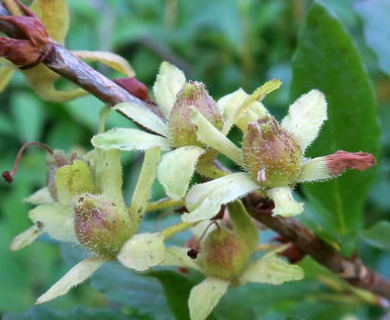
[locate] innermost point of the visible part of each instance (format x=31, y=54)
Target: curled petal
x=335, y=164
x=80, y=272
x=305, y=117
x=108, y=58
x=285, y=205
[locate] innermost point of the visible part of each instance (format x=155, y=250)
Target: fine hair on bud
x=101, y=226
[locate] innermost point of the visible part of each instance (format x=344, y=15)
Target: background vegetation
x=226, y=44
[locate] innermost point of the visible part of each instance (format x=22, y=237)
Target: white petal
x=176, y=170
x=129, y=139
x=108, y=173
x=204, y=200
x=241, y=108
x=26, y=237
x=285, y=205
x=214, y=138
x=205, y=296
x=177, y=257
x=230, y=105
x=56, y=220
x=170, y=80
x=314, y=170
x=40, y=197
x=80, y=272
x=142, y=251
x=143, y=116
x=145, y=181
x=272, y=270
x=306, y=116
x=255, y=112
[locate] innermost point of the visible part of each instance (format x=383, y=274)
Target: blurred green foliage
x=226, y=44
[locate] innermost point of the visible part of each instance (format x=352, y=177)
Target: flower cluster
x=83, y=203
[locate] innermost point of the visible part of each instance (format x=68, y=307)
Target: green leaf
x=375, y=15
x=326, y=59
x=28, y=114
x=177, y=290
x=44, y=313
x=378, y=235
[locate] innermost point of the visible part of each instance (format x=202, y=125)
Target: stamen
x=261, y=175
x=8, y=175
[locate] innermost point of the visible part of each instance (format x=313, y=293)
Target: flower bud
x=183, y=131
x=271, y=154
x=100, y=225
x=223, y=254
x=54, y=161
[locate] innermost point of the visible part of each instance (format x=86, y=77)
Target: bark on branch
x=63, y=62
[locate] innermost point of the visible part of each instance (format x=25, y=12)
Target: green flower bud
x=183, y=131
x=100, y=225
x=54, y=161
x=271, y=154
x=223, y=254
